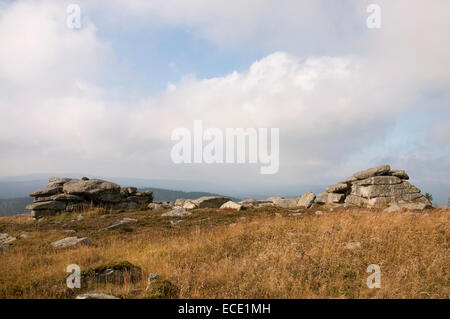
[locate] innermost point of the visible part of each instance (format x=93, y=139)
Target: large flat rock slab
x=49, y=205
x=210, y=201
x=376, y=171
x=306, y=200
x=283, y=202
x=337, y=188
x=71, y=242
x=231, y=205
x=95, y=189
x=177, y=212
x=396, y=190
x=379, y=180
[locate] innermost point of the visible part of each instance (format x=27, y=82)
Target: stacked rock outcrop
x=375, y=187
x=67, y=194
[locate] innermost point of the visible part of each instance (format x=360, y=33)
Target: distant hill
x=14, y=206
x=20, y=189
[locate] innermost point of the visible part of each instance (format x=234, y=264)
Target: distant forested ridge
x=14, y=206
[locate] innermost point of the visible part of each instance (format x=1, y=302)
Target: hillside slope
x=265, y=253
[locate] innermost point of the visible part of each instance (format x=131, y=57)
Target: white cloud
x=301, y=26
x=40, y=54
x=48, y=91
x=320, y=105
x=56, y=117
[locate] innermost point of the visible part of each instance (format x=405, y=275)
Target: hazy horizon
x=440, y=196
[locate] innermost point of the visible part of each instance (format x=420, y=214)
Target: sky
x=103, y=99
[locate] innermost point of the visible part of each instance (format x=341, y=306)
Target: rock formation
x=375, y=187
x=202, y=202
x=306, y=200
x=253, y=203
x=71, y=242
x=231, y=205
x=66, y=194
x=210, y=201
x=177, y=212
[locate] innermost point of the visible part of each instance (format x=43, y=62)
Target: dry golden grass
x=212, y=254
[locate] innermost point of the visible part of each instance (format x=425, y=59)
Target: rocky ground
x=262, y=251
